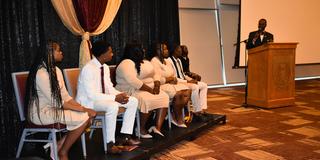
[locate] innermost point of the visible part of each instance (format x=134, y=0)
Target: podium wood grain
x=271, y=71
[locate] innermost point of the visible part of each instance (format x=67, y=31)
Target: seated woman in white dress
x=137, y=78
x=49, y=102
x=179, y=93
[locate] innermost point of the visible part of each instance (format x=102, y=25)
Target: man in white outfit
x=199, y=89
x=96, y=89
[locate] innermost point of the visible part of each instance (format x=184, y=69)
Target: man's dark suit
x=267, y=37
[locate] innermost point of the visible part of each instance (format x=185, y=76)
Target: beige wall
x=289, y=21
x=307, y=70
x=198, y=30
x=229, y=27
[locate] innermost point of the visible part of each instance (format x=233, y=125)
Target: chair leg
x=138, y=123
x=83, y=143
x=92, y=129
x=91, y=133
x=169, y=117
x=183, y=114
x=50, y=136
x=104, y=133
x=23, y=137
x=54, y=143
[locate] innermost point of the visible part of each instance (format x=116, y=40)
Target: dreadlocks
x=44, y=59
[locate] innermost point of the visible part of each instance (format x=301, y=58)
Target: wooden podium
x=271, y=72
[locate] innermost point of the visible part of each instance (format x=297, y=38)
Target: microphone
x=256, y=36
x=244, y=41
x=260, y=32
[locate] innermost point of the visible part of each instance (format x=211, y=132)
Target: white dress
x=72, y=119
x=129, y=81
x=165, y=70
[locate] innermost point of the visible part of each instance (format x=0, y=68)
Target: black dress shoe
x=130, y=141
x=113, y=149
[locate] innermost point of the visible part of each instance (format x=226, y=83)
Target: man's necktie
x=102, y=79
x=181, y=70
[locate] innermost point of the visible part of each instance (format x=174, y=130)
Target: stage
x=146, y=149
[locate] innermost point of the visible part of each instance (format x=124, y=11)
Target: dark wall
x=27, y=24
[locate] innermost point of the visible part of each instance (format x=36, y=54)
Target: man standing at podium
x=259, y=37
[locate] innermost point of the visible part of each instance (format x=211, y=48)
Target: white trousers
x=111, y=108
x=198, y=95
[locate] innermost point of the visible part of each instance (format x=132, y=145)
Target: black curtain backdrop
x=27, y=24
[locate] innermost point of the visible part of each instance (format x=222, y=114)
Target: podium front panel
x=271, y=75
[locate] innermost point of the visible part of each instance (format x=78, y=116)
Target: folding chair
x=71, y=79
x=19, y=80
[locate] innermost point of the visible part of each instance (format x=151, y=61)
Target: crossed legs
x=179, y=101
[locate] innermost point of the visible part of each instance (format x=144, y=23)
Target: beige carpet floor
x=288, y=133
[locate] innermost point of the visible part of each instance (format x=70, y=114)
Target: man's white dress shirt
x=90, y=95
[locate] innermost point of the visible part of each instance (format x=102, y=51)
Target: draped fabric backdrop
x=27, y=24
x=86, y=18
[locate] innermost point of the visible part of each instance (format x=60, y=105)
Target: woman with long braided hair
x=49, y=102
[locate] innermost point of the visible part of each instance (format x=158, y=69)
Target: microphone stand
x=246, y=62
x=238, y=43
x=245, y=104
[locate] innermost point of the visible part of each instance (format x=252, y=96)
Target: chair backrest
x=71, y=78
x=19, y=80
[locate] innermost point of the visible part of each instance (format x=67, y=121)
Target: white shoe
x=146, y=136
x=179, y=125
x=155, y=130
x=46, y=147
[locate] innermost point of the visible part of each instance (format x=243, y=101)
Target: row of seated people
x=141, y=84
